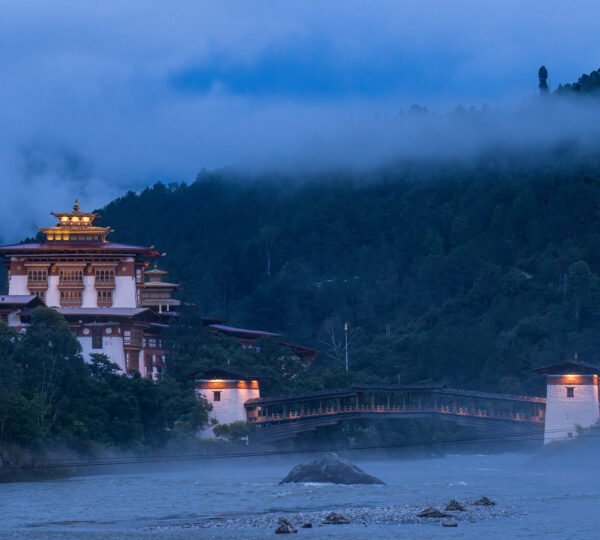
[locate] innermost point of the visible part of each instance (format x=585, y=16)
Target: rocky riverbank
x=362, y=516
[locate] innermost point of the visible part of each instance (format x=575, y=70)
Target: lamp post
x=346, y=346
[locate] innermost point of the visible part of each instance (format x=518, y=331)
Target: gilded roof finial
x=76, y=206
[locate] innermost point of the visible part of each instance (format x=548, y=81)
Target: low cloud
x=98, y=99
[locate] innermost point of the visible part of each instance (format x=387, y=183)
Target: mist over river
x=232, y=498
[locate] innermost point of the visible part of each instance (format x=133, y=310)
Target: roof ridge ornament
x=76, y=206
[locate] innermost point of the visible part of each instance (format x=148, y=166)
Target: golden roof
x=75, y=225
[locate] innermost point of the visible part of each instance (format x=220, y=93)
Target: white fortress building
x=226, y=391
x=571, y=399
x=98, y=285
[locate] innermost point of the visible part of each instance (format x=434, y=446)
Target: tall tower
x=571, y=399
x=96, y=284
x=226, y=391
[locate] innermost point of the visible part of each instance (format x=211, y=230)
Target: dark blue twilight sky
x=99, y=97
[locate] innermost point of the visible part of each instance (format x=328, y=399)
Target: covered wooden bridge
x=280, y=418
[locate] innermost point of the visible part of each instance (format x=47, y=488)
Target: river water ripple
x=221, y=500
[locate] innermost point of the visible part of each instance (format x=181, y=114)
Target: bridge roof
x=341, y=392
x=358, y=388
x=490, y=395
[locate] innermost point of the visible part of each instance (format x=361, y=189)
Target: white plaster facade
x=229, y=407
x=125, y=292
x=17, y=285
x=52, y=297
x=112, y=346
x=89, y=297
x=14, y=319
x=564, y=413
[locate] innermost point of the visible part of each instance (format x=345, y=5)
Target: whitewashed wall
x=52, y=298
x=18, y=285
x=125, y=293
x=112, y=346
x=564, y=414
x=89, y=297
x=231, y=406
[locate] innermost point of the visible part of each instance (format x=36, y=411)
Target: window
x=217, y=396
x=105, y=298
x=570, y=391
x=96, y=338
x=71, y=277
x=105, y=277
x=37, y=277
x=70, y=298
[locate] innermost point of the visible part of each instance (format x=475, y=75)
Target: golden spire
x=76, y=206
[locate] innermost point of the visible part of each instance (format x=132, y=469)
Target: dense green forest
x=465, y=273
x=51, y=398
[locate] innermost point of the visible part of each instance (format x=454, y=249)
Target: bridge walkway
x=280, y=418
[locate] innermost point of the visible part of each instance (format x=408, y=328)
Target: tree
x=579, y=286
x=236, y=431
x=543, y=80
x=54, y=370
x=16, y=411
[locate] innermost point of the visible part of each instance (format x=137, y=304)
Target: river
x=196, y=500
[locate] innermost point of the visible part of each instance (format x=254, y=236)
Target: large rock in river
x=332, y=469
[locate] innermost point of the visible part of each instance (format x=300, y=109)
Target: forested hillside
x=466, y=273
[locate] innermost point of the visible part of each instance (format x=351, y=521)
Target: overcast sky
x=100, y=97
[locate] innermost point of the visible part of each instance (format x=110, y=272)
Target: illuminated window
x=217, y=396
x=570, y=391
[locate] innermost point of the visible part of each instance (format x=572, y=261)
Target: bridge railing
x=257, y=416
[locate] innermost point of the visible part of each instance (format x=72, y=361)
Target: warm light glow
x=75, y=219
x=223, y=384
x=64, y=218
x=85, y=218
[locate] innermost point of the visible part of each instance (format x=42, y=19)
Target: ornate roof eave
x=88, y=229
x=67, y=246
x=91, y=215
